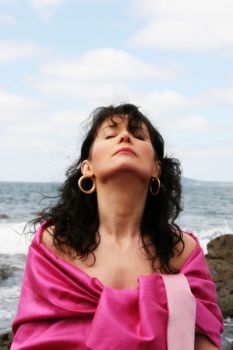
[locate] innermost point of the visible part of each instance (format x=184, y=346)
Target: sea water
x=207, y=212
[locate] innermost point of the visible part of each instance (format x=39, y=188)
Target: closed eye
x=139, y=137
x=109, y=136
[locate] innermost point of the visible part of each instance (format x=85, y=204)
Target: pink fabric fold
x=62, y=307
x=182, y=311
x=208, y=315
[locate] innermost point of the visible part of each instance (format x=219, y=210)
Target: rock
x=221, y=270
x=37, y=213
x=5, y=272
x=220, y=262
x=5, y=339
x=4, y=216
x=221, y=248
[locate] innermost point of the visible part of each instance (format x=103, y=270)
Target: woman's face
x=116, y=150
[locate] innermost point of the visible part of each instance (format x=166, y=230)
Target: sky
x=60, y=59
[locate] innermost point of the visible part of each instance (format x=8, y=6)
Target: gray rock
x=4, y=216
x=5, y=272
x=37, y=213
x=221, y=248
x=220, y=262
x=5, y=339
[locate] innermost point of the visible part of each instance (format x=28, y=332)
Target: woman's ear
x=86, y=168
x=157, y=169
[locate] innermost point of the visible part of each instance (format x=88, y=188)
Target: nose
x=125, y=137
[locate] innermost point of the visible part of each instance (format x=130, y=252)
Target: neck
x=121, y=203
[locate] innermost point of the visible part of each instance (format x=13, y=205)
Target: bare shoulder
x=189, y=245
x=47, y=237
x=203, y=342
x=47, y=240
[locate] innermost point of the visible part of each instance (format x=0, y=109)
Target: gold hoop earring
x=83, y=177
x=158, y=186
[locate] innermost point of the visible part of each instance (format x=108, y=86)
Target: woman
x=108, y=267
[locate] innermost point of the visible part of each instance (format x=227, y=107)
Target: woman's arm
x=203, y=343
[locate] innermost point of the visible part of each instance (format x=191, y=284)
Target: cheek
x=149, y=158
x=149, y=152
x=97, y=153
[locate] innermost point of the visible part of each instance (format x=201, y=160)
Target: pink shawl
x=63, y=308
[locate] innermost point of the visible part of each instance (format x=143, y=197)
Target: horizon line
x=60, y=182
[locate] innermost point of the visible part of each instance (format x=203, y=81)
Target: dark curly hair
x=75, y=214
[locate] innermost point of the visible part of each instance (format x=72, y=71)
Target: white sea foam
x=5, y=315
x=12, y=239
x=207, y=235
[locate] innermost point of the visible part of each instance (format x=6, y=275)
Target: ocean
x=208, y=212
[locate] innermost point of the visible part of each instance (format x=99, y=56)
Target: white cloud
x=40, y=145
x=45, y=4
x=45, y=7
x=13, y=50
x=9, y=20
x=98, y=1
x=206, y=162
x=109, y=64
x=224, y=95
x=200, y=25
x=101, y=76
x=75, y=89
x=67, y=117
x=2, y=2
x=170, y=110
x=194, y=122
x=30, y=135
x=206, y=152
x=13, y=106
x=164, y=102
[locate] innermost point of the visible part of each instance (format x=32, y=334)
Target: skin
x=203, y=343
x=118, y=175
x=122, y=180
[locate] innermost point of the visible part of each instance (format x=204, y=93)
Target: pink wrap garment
x=61, y=307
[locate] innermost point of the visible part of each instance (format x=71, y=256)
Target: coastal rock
x=220, y=262
x=221, y=248
x=5, y=340
x=5, y=272
x=37, y=213
x=4, y=216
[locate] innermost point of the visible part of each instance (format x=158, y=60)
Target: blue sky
x=59, y=59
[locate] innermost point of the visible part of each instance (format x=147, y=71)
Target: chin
x=126, y=172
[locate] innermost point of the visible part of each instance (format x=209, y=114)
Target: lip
x=125, y=150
